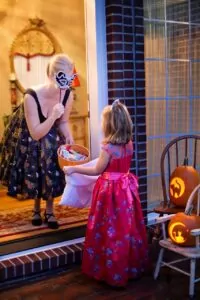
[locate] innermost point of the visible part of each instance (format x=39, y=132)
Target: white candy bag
x=79, y=188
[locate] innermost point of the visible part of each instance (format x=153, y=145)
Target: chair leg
x=192, y=276
x=158, y=264
x=158, y=230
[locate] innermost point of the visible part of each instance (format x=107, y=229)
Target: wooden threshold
x=51, y=237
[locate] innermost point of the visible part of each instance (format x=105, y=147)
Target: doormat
x=18, y=220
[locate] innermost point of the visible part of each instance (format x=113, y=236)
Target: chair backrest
x=189, y=207
x=173, y=155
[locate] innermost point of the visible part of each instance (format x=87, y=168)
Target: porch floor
x=72, y=284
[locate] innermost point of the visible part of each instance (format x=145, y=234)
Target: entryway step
x=38, y=260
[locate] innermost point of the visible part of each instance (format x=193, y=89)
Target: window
x=172, y=70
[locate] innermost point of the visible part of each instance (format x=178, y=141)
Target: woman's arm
x=38, y=130
x=100, y=166
x=64, y=120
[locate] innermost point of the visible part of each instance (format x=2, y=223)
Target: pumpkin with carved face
x=180, y=226
x=182, y=182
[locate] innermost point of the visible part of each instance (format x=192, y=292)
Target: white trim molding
x=96, y=57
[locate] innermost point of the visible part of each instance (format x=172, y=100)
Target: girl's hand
x=68, y=170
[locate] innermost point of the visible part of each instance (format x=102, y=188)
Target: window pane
x=195, y=42
x=196, y=79
x=154, y=193
x=155, y=146
x=156, y=125
x=195, y=11
x=177, y=10
x=178, y=79
x=155, y=79
x=154, y=9
x=177, y=41
x=178, y=120
x=196, y=119
x=154, y=39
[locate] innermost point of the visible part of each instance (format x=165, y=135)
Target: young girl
x=115, y=244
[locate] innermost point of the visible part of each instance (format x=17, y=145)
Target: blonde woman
x=39, y=126
x=115, y=245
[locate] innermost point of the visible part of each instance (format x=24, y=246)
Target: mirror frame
x=38, y=25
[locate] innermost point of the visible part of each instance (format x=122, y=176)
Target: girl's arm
x=64, y=120
x=100, y=166
x=38, y=130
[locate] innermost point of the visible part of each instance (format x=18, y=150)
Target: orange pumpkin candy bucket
x=73, y=149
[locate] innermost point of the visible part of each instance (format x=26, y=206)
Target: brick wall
x=125, y=57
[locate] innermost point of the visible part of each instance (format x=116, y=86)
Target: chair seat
x=161, y=209
x=190, y=252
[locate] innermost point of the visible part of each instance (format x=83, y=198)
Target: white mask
x=63, y=81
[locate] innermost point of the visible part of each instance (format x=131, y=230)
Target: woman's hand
x=57, y=111
x=68, y=170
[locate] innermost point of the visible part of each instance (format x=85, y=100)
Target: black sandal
x=51, y=224
x=38, y=221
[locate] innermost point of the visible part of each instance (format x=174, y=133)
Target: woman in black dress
x=28, y=155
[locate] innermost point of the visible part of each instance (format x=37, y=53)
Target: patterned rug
x=18, y=220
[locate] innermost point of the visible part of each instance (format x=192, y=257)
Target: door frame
x=96, y=61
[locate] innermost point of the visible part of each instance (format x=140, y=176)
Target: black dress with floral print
x=30, y=167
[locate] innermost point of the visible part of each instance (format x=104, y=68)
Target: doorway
x=96, y=99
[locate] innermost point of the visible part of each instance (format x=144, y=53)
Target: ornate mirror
x=30, y=54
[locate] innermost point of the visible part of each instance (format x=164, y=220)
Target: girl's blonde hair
x=117, y=124
x=60, y=62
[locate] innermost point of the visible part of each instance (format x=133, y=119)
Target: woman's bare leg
x=49, y=215
x=37, y=204
x=36, y=219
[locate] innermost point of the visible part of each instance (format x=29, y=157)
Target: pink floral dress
x=116, y=244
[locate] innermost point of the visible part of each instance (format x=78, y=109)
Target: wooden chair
x=187, y=253
x=173, y=155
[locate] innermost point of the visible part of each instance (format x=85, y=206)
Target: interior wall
x=64, y=19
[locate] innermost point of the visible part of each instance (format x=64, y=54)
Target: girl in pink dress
x=115, y=247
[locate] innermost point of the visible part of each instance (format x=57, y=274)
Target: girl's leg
x=36, y=219
x=49, y=215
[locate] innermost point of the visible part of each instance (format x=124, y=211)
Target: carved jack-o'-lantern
x=180, y=226
x=182, y=182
